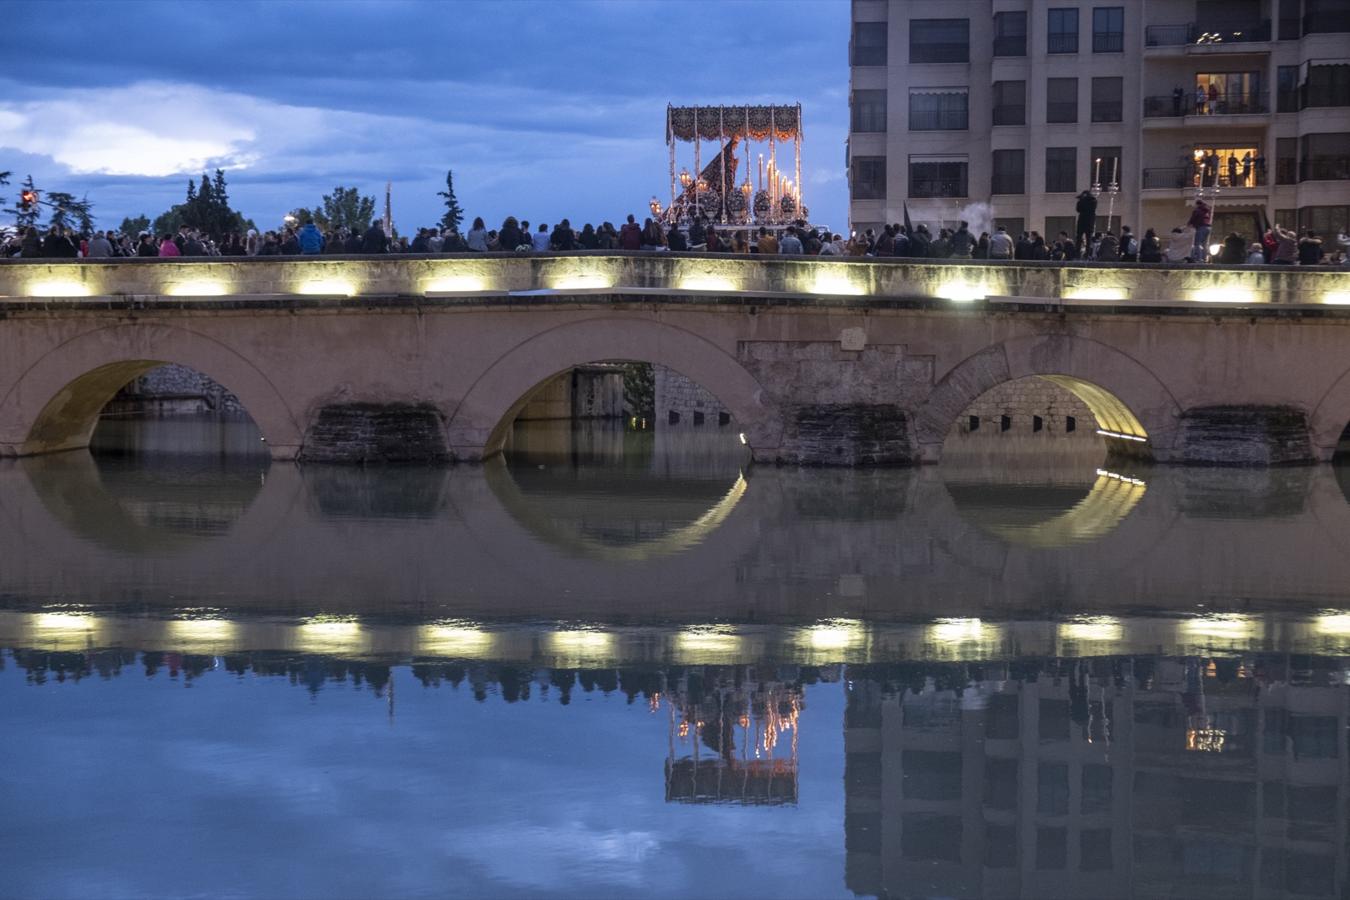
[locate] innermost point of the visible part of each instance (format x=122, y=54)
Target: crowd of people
x=1186, y=243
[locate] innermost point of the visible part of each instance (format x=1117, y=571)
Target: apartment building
x=1022, y=104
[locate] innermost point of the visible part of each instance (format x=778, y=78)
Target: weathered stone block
x=359, y=433
x=1244, y=436
x=849, y=434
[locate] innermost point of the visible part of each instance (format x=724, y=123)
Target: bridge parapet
x=476, y=275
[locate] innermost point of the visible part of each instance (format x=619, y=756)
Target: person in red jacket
x=630, y=235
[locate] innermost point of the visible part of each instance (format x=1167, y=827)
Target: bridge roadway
x=839, y=362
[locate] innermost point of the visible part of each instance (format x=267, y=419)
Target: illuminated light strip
x=1119, y=477
x=1123, y=437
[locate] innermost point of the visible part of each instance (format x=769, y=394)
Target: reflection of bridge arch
x=1329, y=420
x=578, y=542
x=1125, y=397
x=480, y=423
x=1099, y=511
x=55, y=404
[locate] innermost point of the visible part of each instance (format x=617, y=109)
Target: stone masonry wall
x=1022, y=401
x=682, y=401
x=174, y=381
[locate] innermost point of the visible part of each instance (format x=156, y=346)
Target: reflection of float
x=713, y=191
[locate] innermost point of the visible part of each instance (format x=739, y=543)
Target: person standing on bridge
x=1202, y=217
x=310, y=240
x=1087, y=218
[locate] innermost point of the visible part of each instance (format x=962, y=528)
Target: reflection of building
x=733, y=737
x=1103, y=778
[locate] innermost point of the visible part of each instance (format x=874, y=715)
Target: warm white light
x=1124, y=437
x=581, y=640
x=202, y=629
x=453, y=640
x=835, y=284
x=582, y=282
x=961, y=291
x=1225, y=625
x=1336, y=298
x=58, y=287
x=454, y=284
x=1230, y=293
x=956, y=631
x=1214, y=249
x=67, y=623
x=1118, y=477
x=1097, y=293
x=706, y=283
x=1092, y=628
x=742, y=437
x=329, y=634
x=327, y=287
x=699, y=640
x=836, y=634
x=199, y=288
x=1333, y=624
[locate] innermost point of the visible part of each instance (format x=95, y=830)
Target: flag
x=909, y=226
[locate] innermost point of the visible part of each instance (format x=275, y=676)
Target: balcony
x=1325, y=168
x=1010, y=114
x=1223, y=106
x=1193, y=37
x=1185, y=178
x=1010, y=46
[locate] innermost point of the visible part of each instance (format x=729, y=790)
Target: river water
x=623, y=664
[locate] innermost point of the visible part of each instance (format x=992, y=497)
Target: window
x=1315, y=737
x=1107, y=96
x=1052, y=789
x=938, y=178
x=1326, y=157
x=1055, y=224
x=1062, y=34
x=1096, y=794
x=869, y=43
x=1001, y=721
x=1286, y=87
x=1053, y=724
x=1000, y=846
x=930, y=775
x=1010, y=103
x=1322, y=219
x=928, y=837
x=1061, y=170
x=1052, y=846
x=1325, y=16
x=939, y=110
x=1010, y=34
x=1009, y=172
x=939, y=40
x=1289, y=21
x=1000, y=783
x=1094, y=846
x=1014, y=226
x=869, y=111
x=1328, y=85
x=869, y=178
x=1061, y=100
x=1108, y=169
x=1286, y=160
x=1108, y=29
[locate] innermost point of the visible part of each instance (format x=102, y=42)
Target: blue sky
x=542, y=109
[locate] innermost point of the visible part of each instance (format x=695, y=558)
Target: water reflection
x=1031, y=774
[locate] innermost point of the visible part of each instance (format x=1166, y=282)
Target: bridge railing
x=476, y=277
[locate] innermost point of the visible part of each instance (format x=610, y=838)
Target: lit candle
x=1115, y=163
x=761, y=171
x=1097, y=172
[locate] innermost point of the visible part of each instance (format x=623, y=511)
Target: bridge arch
x=1331, y=418
x=1124, y=396
x=54, y=405
x=480, y=423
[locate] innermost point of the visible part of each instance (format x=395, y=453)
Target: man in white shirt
x=790, y=244
x=540, y=239
x=1001, y=244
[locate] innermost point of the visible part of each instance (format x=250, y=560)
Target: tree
x=4, y=180
x=134, y=226
x=454, y=215
x=206, y=207
x=84, y=215
x=345, y=208
x=26, y=218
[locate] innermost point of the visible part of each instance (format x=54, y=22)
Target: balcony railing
x=1313, y=97
x=1185, y=177
x=1010, y=114
x=1325, y=168
x=1233, y=103
x=1062, y=43
x=936, y=187
x=1192, y=33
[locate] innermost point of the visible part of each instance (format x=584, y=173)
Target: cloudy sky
x=542, y=109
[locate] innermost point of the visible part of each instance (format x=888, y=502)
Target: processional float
x=773, y=198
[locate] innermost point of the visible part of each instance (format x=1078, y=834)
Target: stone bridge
x=840, y=362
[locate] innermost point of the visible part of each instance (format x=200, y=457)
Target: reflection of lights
x=454, y=639
x=1205, y=740
x=58, y=287
x=1122, y=436
x=64, y=623
x=707, y=641
x=1333, y=624
x=1214, y=249
x=1097, y=293
x=835, y=634
x=581, y=282
x=961, y=291
x=1337, y=298
x=834, y=284
x=955, y=631
x=1118, y=477
x=706, y=283
x=329, y=633
x=327, y=287
x=742, y=437
x=454, y=284
x=1092, y=628
x=202, y=287
x=581, y=640
x=1225, y=625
